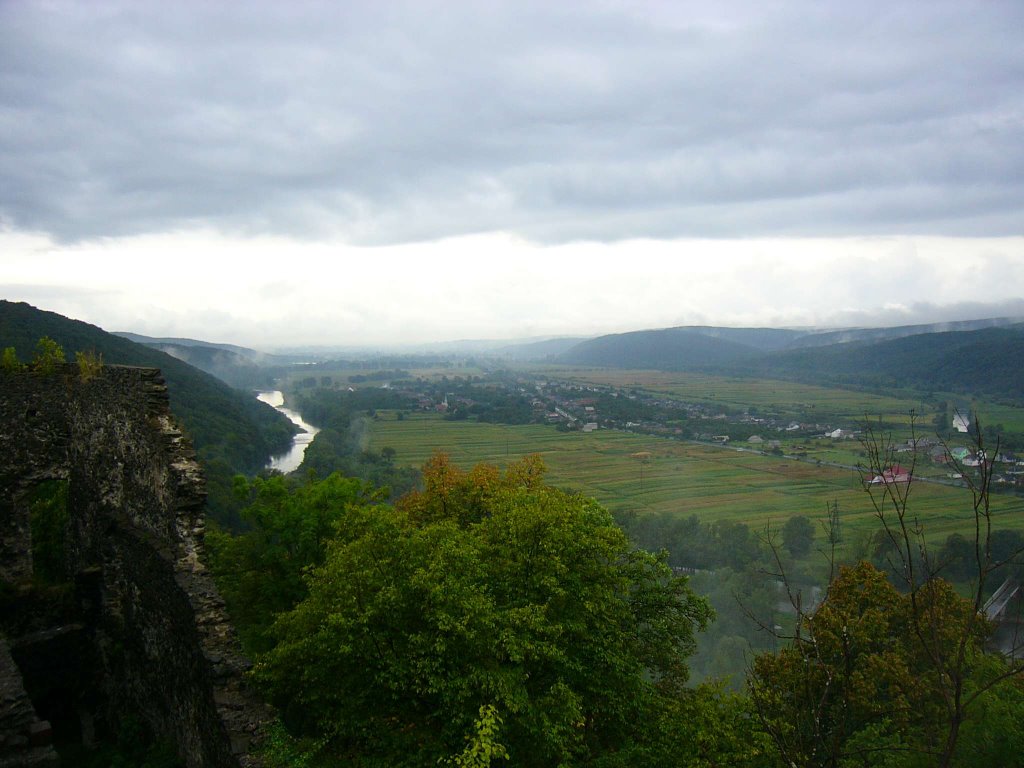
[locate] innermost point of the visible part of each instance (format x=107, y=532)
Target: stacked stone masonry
x=140, y=627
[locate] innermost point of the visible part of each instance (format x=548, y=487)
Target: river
x=289, y=461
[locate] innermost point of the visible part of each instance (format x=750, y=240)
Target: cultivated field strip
x=678, y=478
x=741, y=393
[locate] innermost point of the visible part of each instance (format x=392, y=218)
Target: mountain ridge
x=980, y=356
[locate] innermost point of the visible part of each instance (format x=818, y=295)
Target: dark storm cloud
x=391, y=122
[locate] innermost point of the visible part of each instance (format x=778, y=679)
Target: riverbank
x=292, y=458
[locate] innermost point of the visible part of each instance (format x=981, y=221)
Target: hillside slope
x=668, y=349
x=984, y=362
x=227, y=426
x=539, y=350
x=845, y=335
x=983, y=357
x=240, y=367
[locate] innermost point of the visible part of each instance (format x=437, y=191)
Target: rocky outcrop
x=148, y=628
x=24, y=738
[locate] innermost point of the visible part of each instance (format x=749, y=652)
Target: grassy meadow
x=891, y=414
x=678, y=477
x=786, y=398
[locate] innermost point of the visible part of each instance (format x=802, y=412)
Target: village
x=514, y=398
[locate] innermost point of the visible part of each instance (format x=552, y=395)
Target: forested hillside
x=673, y=349
x=231, y=430
x=984, y=362
x=238, y=366
x=844, y=335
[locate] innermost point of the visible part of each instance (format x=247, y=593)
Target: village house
x=894, y=474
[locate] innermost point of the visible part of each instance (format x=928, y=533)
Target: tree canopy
x=260, y=572
x=487, y=601
x=860, y=684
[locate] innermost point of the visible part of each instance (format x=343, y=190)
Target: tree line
x=491, y=619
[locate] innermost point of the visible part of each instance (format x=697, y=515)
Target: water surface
x=291, y=459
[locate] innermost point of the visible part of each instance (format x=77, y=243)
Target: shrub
x=89, y=364
x=49, y=354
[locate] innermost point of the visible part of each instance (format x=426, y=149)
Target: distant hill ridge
x=539, y=350
x=151, y=341
x=989, y=361
x=978, y=356
x=226, y=425
x=667, y=349
x=844, y=335
x=240, y=367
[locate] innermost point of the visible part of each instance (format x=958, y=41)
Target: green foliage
x=49, y=354
x=89, y=364
x=798, y=536
x=982, y=362
x=703, y=727
x=279, y=749
x=225, y=425
x=861, y=686
x=483, y=747
x=744, y=602
x=485, y=589
x=692, y=543
x=993, y=735
x=48, y=518
x=340, y=446
x=260, y=572
x=9, y=360
x=958, y=558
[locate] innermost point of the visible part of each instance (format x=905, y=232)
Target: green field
x=678, y=477
x=891, y=414
x=339, y=376
x=991, y=414
x=783, y=397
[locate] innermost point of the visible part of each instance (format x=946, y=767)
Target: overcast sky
x=370, y=172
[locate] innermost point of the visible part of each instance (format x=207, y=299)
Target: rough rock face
x=19, y=725
x=141, y=628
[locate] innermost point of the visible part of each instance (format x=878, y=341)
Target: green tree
x=957, y=558
x=260, y=572
x=89, y=364
x=486, y=590
x=483, y=747
x=878, y=676
x=994, y=735
x=857, y=683
x=9, y=360
x=49, y=354
x=798, y=535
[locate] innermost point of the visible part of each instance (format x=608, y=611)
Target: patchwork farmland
x=677, y=477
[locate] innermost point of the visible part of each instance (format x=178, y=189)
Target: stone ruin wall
x=144, y=630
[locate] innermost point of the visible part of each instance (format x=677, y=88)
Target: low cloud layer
x=375, y=123
x=266, y=292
